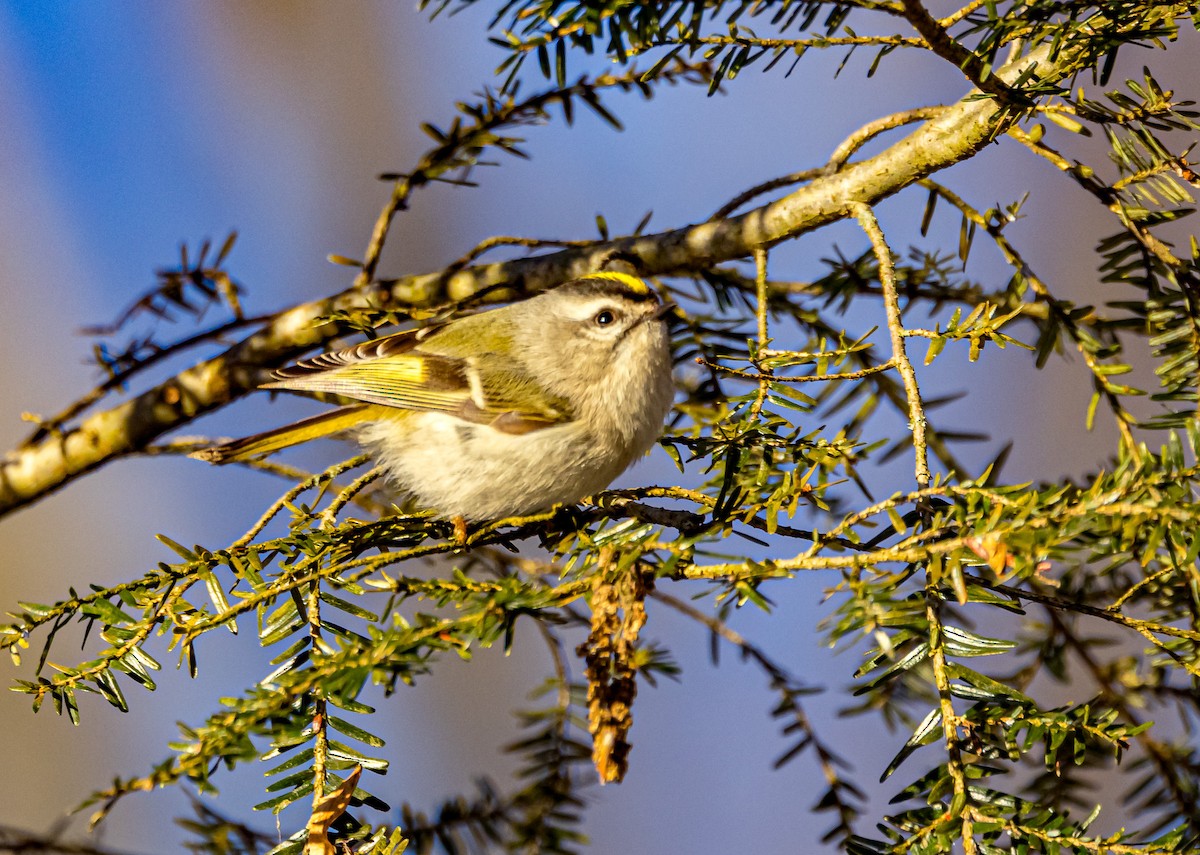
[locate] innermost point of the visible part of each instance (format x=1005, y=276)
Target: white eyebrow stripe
x=584, y=311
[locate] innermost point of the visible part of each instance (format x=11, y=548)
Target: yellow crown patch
x=634, y=284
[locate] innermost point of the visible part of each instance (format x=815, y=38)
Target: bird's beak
x=667, y=308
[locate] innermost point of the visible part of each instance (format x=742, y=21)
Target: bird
x=502, y=413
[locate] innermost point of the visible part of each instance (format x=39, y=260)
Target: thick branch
x=31, y=473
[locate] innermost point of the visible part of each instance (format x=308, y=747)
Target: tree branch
x=941, y=43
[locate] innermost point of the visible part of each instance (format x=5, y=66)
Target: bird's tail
x=313, y=427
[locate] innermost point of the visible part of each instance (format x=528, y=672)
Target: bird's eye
x=604, y=318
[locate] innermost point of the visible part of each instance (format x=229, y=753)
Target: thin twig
x=503, y=240
x=846, y=149
x=770, y=43
x=758, y=377
x=320, y=723
x=1145, y=628
x=841, y=155
x=760, y=313
x=1055, y=307
x=1182, y=792
x=952, y=19
x=292, y=494
x=14, y=840
x=941, y=43
x=348, y=493
x=891, y=303
x=1108, y=196
x=933, y=602
x=120, y=378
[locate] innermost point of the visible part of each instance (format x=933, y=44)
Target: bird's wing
x=395, y=372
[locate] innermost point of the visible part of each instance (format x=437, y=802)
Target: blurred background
x=131, y=128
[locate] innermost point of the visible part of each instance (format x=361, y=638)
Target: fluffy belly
x=473, y=471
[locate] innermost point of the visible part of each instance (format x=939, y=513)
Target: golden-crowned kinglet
x=501, y=413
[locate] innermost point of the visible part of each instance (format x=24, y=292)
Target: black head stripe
x=608, y=286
